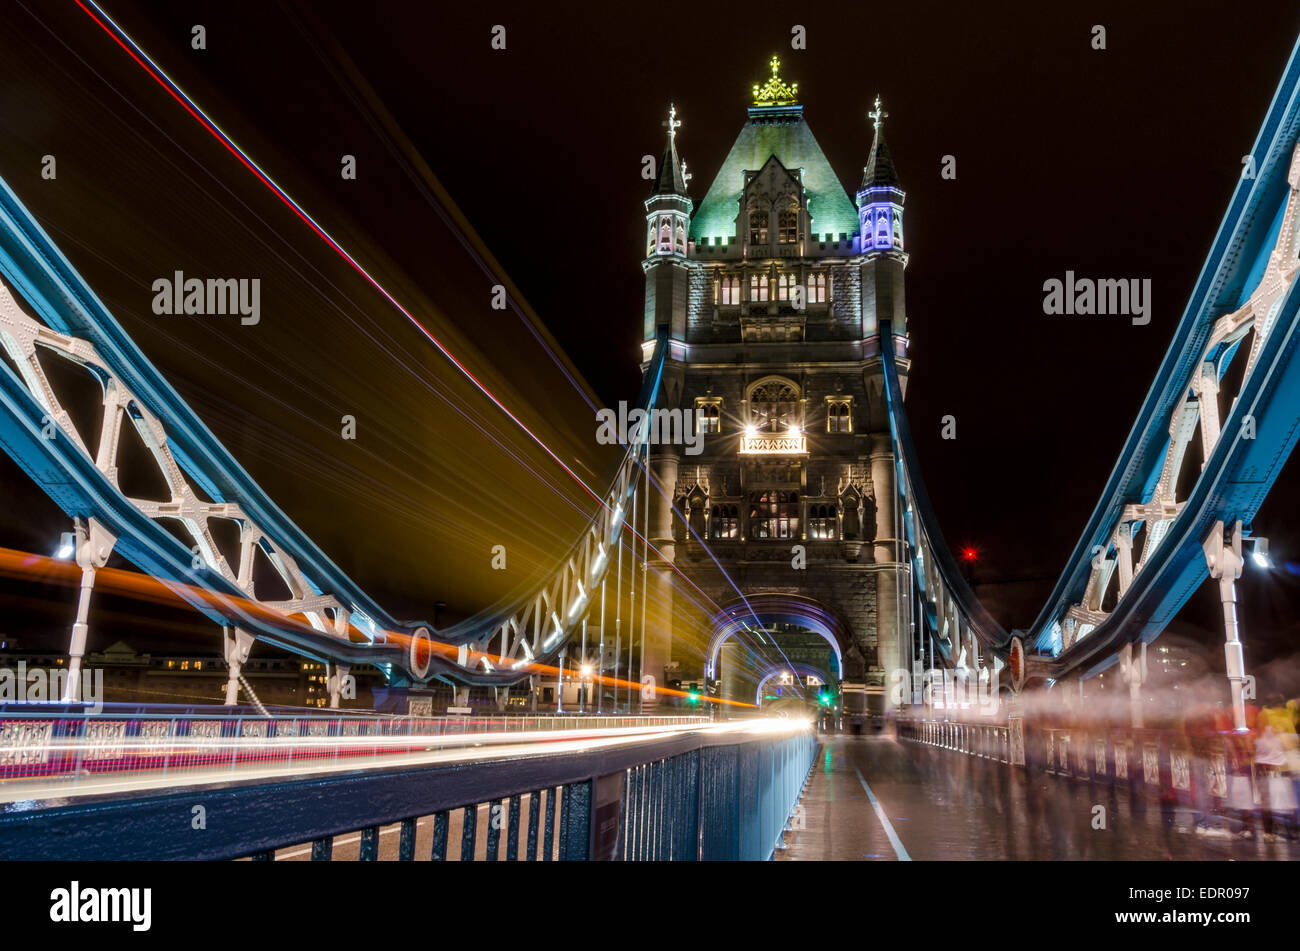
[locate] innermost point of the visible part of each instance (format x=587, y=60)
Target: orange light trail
x=29, y=566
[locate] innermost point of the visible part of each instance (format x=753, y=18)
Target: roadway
x=881, y=799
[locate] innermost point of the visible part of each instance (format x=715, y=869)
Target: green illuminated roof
x=779, y=131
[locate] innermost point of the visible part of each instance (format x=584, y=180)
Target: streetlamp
x=585, y=671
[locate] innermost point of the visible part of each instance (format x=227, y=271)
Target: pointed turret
x=672, y=176
x=879, y=170
x=880, y=221
x=880, y=199
x=668, y=218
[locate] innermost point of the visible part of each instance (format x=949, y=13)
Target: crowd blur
x=1243, y=783
x=1260, y=782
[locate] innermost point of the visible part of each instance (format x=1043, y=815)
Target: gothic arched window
x=816, y=288
x=787, y=226
x=665, y=236
x=784, y=284
x=681, y=239
x=882, y=227
x=774, y=406
x=758, y=224
x=839, y=416
x=821, y=522
x=710, y=417
x=757, y=288
x=730, y=290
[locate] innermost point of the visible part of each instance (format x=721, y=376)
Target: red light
x=969, y=554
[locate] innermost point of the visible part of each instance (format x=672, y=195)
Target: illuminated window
x=185, y=665
x=774, y=406
x=785, y=283
x=758, y=288
x=681, y=239
x=665, y=236
x=730, y=288
x=773, y=514
x=816, y=288
x=821, y=521
x=171, y=664
x=708, y=410
x=839, y=415
x=198, y=665
x=724, y=522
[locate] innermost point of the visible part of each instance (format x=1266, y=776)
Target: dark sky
x=1114, y=163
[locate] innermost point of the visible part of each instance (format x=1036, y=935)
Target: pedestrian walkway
x=881, y=799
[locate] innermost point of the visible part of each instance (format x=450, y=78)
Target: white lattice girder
x=1200, y=408
x=527, y=634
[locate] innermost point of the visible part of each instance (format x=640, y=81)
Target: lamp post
x=586, y=672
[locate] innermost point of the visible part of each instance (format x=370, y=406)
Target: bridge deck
x=945, y=805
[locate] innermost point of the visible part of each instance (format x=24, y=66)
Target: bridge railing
x=722, y=792
x=988, y=740
x=63, y=755
x=1211, y=772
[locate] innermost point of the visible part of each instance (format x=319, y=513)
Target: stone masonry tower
x=772, y=293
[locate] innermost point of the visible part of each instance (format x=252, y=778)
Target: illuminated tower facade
x=773, y=291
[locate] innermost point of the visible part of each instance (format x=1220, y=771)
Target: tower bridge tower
x=773, y=291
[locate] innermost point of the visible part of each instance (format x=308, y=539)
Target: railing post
x=512, y=831
x=406, y=847
x=370, y=844
x=534, y=808
x=719, y=809
x=685, y=808
x=575, y=822
x=548, y=837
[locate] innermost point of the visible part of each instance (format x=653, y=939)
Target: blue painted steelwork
x=702, y=795
x=920, y=515
x=1235, y=479
x=47, y=281
x=1240, y=472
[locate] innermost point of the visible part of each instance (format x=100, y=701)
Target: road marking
x=884, y=820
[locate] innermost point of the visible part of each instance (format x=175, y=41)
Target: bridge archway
x=756, y=624
x=798, y=669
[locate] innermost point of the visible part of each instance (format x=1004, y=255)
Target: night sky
x=1115, y=163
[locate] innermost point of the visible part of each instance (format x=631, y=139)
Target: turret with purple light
x=880, y=218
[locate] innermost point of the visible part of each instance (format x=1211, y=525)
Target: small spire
x=879, y=169
x=673, y=122
x=877, y=114
x=672, y=177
